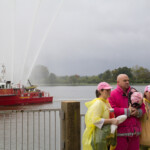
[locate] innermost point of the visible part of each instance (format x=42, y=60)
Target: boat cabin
x=5, y=85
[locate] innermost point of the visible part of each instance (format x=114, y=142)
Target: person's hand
x=134, y=112
x=130, y=108
x=114, y=121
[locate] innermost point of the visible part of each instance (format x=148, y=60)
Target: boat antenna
x=29, y=82
x=3, y=72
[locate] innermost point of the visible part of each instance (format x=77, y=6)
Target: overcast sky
x=84, y=37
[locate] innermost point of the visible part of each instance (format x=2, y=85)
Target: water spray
x=13, y=37
x=44, y=38
x=30, y=36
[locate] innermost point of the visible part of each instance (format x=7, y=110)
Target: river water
x=60, y=93
x=63, y=93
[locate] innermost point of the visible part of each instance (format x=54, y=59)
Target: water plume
x=43, y=40
x=13, y=37
x=30, y=36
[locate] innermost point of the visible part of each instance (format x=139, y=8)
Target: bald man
x=128, y=132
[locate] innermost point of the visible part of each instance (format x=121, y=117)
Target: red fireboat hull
x=16, y=100
x=17, y=94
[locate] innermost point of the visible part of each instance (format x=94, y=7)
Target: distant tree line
x=41, y=75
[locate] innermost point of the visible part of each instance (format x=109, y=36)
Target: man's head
x=123, y=81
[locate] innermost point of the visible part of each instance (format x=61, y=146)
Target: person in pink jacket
x=128, y=132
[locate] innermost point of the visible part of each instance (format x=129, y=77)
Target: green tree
x=141, y=75
x=93, y=79
x=52, y=78
x=74, y=79
x=106, y=76
x=122, y=70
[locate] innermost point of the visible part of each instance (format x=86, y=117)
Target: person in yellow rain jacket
x=145, y=121
x=97, y=134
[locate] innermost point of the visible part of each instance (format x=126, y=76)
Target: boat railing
x=6, y=92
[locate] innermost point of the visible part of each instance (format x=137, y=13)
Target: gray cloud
x=85, y=37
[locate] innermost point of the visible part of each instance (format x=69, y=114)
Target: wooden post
x=70, y=131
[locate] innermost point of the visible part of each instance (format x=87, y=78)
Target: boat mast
x=3, y=72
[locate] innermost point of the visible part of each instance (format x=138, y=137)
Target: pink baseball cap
x=147, y=88
x=136, y=97
x=103, y=85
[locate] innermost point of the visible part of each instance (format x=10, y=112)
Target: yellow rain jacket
x=145, y=124
x=93, y=137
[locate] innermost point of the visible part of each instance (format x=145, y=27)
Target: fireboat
x=20, y=95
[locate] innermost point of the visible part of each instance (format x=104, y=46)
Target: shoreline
x=89, y=84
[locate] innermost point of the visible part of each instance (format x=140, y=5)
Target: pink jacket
x=119, y=101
